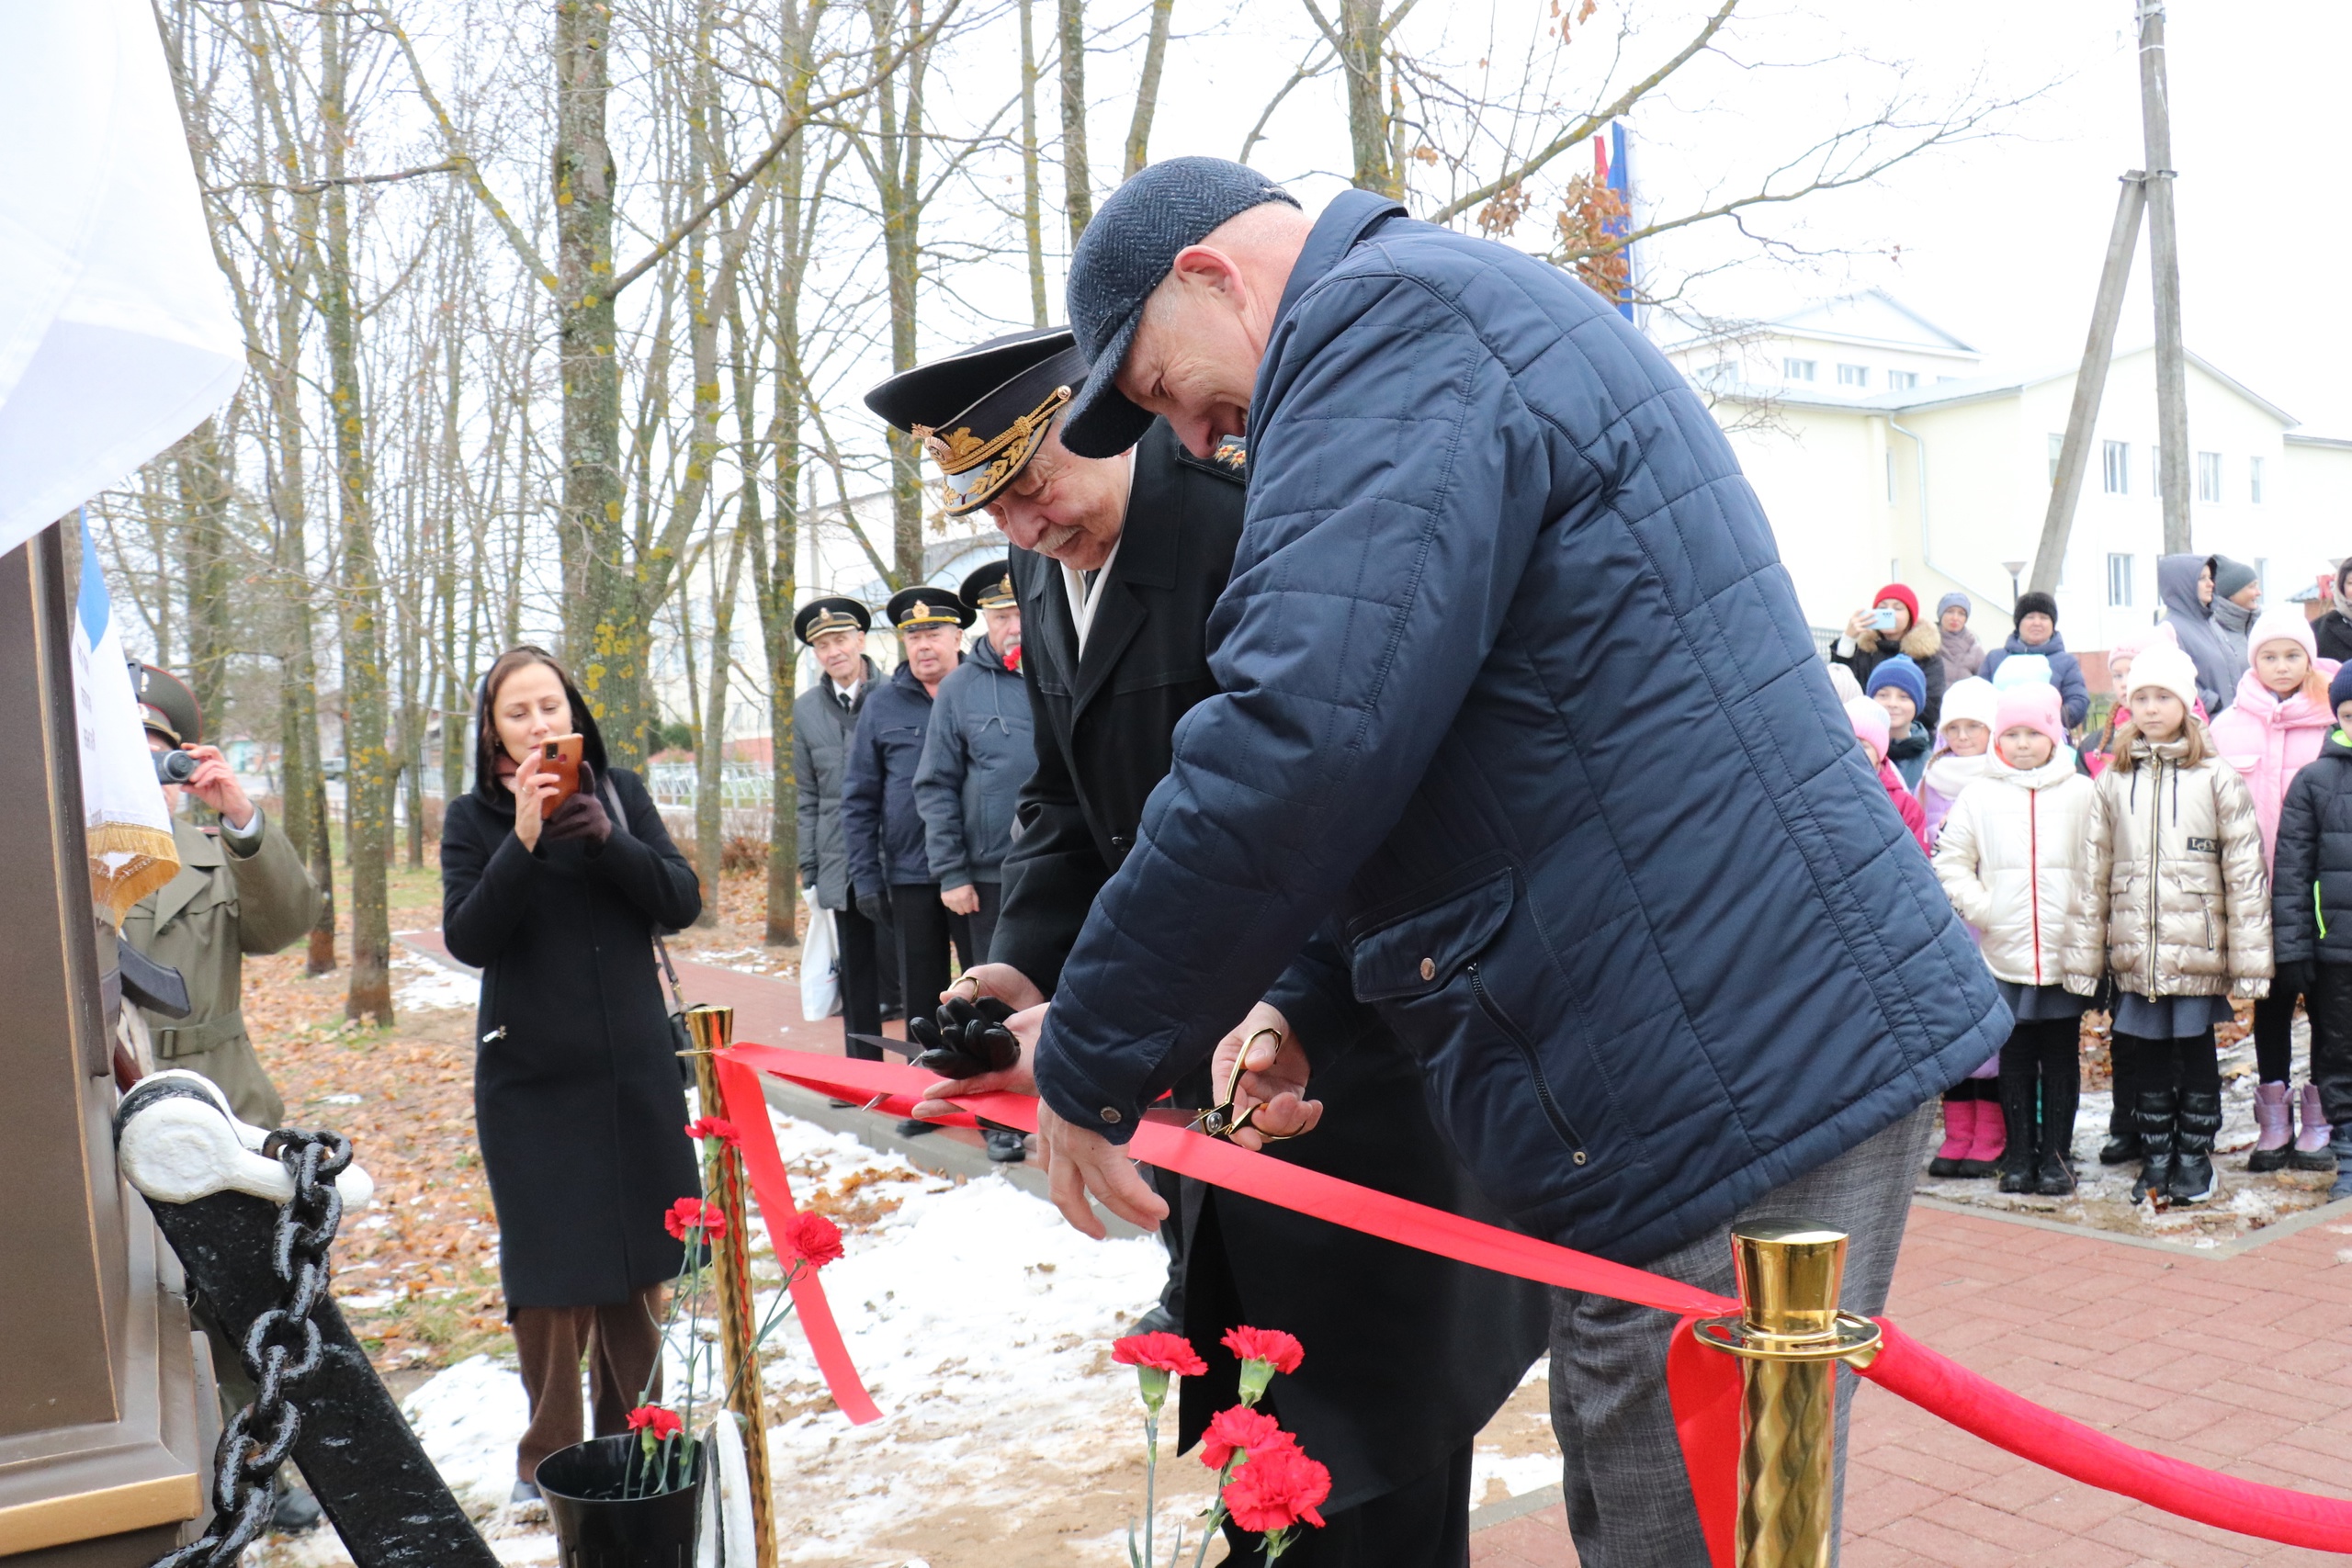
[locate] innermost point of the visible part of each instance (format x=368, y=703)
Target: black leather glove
x=871, y=906
x=581, y=817
x=2293, y=978
x=963, y=1039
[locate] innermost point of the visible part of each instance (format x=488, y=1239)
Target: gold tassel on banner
x=713, y=1029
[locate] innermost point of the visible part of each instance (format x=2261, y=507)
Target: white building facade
x=1884, y=452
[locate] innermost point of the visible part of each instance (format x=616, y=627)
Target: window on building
x=2254, y=481
x=1902, y=380
x=2156, y=472
x=2057, y=446
x=2208, y=476
x=2119, y=467
x=1853, y=374
x=1796, y=369
x=2118, y=582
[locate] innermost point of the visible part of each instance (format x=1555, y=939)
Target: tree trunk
x=1154, y=54
x=368, y=762
x=900, y=140
x=1078, y=188
x=1032, y=228
x=604, y=637
x=1361, y=37
x=710, y=744
x=201, y=461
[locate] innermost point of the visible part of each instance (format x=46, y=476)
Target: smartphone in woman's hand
x=559, y=761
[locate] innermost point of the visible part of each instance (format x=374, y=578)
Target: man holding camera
x=240, y=889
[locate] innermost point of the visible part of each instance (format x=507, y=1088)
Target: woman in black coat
x=578, y=1099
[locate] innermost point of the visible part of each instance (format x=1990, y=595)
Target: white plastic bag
x=820, y=986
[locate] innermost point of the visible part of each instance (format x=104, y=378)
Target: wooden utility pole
x=2163, y=265
x=2090, y=383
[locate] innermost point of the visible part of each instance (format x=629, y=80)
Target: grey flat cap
x=1121, y=258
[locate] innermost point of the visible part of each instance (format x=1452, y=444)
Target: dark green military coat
x=227, y=901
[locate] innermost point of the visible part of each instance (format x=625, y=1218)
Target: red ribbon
x=739, y=1085
x=1702, y=1385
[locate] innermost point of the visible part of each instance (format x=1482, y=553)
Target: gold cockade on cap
x=959, y=453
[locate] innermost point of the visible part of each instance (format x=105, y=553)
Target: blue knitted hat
x=2339, y=690
x=1126, y=251
x=1900, y=671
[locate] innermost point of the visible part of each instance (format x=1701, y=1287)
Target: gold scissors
x=1219, y=1122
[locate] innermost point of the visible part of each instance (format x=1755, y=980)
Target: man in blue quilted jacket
x=1498, y=569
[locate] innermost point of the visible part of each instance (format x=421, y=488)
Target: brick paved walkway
x=2241, y=1363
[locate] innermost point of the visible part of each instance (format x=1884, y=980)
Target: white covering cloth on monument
x=116, y=335
x=129, y=827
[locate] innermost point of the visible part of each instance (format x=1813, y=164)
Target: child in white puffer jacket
x=2013, y=857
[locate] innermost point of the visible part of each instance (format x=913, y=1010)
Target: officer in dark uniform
x=1117, y=563
x=823, y=718
x=888, y=866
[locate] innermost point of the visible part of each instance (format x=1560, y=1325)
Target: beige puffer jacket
x=2177, y=899
x=2015, y=851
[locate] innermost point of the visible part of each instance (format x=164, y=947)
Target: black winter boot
x=2017, y=1160
x=2192, y=1161
x=2122, y=1146
x=2340, y=1145
x=2062, y=1095
x=2154, y=1111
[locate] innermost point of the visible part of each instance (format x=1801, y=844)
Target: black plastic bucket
x=597, y=1526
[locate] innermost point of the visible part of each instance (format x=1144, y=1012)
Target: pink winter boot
x=2275, y=1121
x=1991, y=1141
x=1960, y=1132
x=2310, y=1140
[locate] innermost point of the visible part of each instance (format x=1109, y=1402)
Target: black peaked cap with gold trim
x=990, y=587
x=911, y=609
x=983, y=413
x=818, y=617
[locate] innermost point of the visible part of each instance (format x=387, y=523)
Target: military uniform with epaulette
x=1407, y=1355
x=239, y=891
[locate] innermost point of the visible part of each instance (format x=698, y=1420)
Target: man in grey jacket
x=822, y=719
x=978, y=753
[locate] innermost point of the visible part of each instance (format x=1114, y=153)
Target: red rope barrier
x=1704, y=1384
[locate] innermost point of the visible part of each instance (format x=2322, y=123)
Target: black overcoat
x=1407, y=1356
x=577, y=1099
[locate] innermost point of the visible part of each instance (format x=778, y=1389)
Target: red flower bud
x=1282, y=1351
x=1161, y=1352
x=1242, y=1428
x=1276, y=1487
x=812, y=1239
x=689, y=1215
x=660, y=1423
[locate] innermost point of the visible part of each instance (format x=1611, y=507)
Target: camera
x=1883, y=620
x=174, y=767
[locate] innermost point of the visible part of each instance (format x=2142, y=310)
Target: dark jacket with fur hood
x=1926, y=647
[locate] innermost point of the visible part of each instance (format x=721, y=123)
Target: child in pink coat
x=2275, y=725
x=1869, y=725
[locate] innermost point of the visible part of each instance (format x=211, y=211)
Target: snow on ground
x=423, y=985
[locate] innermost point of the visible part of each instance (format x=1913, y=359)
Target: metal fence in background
x=742, y=785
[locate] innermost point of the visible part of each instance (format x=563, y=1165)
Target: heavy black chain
x=280, y=1351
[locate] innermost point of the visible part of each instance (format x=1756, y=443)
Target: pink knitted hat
x=1870, y=723
x=2282, y=623
x=2031, y=707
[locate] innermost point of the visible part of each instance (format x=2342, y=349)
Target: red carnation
x=689, y=1215
x=1279, y=1350
x=717, y=1127
x=1243, y=1428
x=660, y=1423
x=1275, y=1488
x=1161, y=1352
x=812, y=1239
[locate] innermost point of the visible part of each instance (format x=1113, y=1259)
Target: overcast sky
x=1998, y=241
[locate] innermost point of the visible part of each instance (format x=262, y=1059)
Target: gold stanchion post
x=1789, y=1335
x=713, y=1029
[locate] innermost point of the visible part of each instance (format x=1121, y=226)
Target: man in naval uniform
x=823, y=718
x=1116, y=564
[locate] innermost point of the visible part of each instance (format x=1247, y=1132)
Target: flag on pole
x=129, y=828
